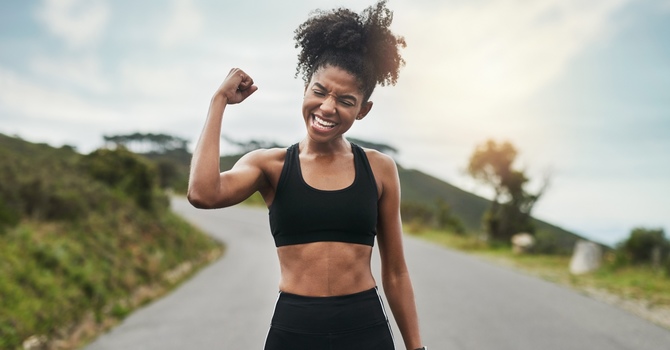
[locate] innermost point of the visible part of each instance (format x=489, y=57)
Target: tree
x=147, y=143
x=645, y=245
x=381, y=147
x=250, y=145
x=511, y=206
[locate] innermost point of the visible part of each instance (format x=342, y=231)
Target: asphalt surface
x=464, y=303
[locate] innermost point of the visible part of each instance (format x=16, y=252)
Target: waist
x=333, y=314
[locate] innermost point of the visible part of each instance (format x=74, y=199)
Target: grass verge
x=61, y=284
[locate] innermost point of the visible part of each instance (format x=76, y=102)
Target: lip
x=316, y=126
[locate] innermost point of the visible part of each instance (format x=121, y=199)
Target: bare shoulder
x=268, y=161
x=384, y=169
x=381, y=163
x=263, y=157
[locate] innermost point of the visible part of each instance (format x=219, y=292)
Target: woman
x=327, y=198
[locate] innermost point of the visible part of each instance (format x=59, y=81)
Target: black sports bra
x=302, y=214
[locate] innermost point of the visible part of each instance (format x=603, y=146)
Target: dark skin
x=332, y=103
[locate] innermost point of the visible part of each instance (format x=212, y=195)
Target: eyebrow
x=346, y=97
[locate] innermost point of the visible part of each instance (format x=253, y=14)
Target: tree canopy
x=147, y=143
x=492, y=164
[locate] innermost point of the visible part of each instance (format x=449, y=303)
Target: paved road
x=464, y=303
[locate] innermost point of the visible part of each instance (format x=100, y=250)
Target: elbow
x=199, y=200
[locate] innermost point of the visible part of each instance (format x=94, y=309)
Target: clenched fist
x=237, y=86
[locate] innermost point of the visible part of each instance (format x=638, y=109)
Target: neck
x=309, y=146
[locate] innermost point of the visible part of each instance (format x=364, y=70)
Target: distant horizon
x=240, y=152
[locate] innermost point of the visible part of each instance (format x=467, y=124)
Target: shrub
x=168, y=172
x=640, y=246
x=42, y=189
x=129, y=173
x=545, y=243
x=417, y=214
x=9, y=216
x=10, y=212
x=445, y=219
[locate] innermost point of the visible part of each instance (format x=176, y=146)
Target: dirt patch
x=659, y=315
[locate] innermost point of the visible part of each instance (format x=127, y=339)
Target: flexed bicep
x=233, y=186
x=208, y=187
x=244, y=179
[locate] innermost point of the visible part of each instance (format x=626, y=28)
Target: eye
x=347, y=103
x=318, y=93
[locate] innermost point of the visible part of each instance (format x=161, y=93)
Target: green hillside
x=423, y=188
x=84, y=239
x=469, y=208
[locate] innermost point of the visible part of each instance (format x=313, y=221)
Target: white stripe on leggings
x=381, y=302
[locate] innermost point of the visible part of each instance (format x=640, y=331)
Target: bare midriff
x=325, y=268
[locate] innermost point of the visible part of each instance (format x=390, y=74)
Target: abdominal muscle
x=325, y=268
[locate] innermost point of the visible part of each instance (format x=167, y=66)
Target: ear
x=365, y=109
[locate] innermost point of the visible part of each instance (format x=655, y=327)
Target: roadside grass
x=61, y=284
x=84, y=240
x=640, y=283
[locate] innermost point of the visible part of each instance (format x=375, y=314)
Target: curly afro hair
x=363, y=45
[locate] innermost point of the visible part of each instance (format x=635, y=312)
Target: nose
x=328, y=105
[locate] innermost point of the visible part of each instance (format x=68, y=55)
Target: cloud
x=22, y=97
x=506, y=51
x=84, y=72
x=78, y=22
x=473, y=68
x=184, y=24
x=154, y=81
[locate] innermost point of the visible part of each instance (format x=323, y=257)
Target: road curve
x=464, y=303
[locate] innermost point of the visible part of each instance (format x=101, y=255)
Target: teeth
x=324, y=122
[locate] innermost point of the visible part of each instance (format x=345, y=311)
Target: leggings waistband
x=328, y=315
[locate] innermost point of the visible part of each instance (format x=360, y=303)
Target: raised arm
x=207, y=187
x=395, y=275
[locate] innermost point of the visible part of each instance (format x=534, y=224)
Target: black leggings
x=348, y=322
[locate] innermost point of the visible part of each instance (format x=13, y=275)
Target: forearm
x=400, y=295
x=204, y=179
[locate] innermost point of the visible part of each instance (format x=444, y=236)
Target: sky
x=580, y=88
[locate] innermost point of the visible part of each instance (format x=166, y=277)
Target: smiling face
x=332, y=102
